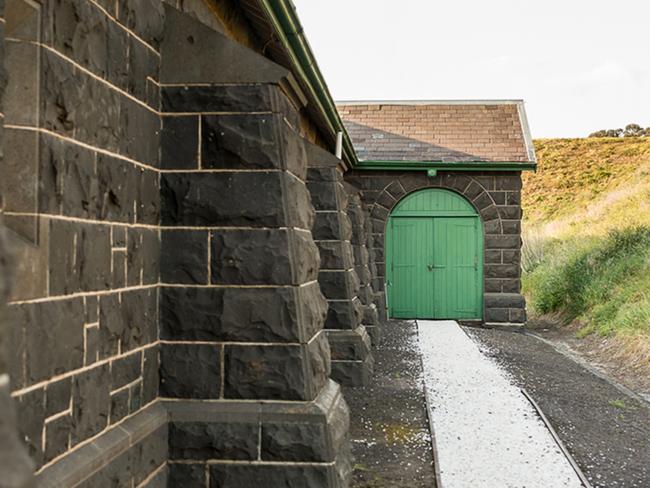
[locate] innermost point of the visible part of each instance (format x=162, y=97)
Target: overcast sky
x=580, y=65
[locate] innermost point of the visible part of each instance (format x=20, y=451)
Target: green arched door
x=434, y=257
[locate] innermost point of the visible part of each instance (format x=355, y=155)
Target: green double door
x=434, y=264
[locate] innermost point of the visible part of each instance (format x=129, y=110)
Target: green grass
x=603, y=282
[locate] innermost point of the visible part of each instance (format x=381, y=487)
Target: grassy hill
x=587, y=238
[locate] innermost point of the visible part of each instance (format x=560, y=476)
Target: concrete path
x=486, y=432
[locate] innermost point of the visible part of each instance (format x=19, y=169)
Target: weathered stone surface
x=266, y=372
x=119, y=405
x=225, y=441
x=187, y=475
x=189, y=49
x=57, y=396
x=352, y=373
x=339, y=285
x=131, y=322
x=226, y=98
x=57, y=433
x=179, y=142
x=496, y=315
x=59, y=322
x=335, y=254
x=239, y=199
x=30, y=409
x=79, y=257
x=294, y=441
x=125, y=370
x=251, y=141
x=260, y=257
x=351, y=345
x=286, y=476
x=240, y=315
x=144, y=17
x=504, y=300
x=370, y=315
x=90, y=403
x=150, y=375
x=190, y=371
x=189, y=266
x=139, y=130
x=326, y=195
x=332, y=226
x=343, y=314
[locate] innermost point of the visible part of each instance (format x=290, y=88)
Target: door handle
x=430, y=267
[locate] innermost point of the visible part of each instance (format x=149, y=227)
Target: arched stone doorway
x=434, y=257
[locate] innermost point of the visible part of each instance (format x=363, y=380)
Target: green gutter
x=282, y=14
x=448, y=166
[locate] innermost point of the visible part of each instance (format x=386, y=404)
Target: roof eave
x=398, y=165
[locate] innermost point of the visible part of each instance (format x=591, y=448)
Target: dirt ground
x=626, y=362
x=606, y=431
x=389, y=425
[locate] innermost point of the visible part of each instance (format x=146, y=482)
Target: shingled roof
x=439, y=131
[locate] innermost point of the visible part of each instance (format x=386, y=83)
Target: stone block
x=332, y=226
x=250, y=199
x=30, y=411
x=511, y=227
x=266, y=372
x=510, y=212
x=203, y=441
x=353, y=373
x=343, y=314
x=190, y=475
x=252, y=142
x=294, y=441
x=502, y=270
x=497, y=315
x=125, y=370
x=54, y=345
x=179, y=143
x=150, y=375
x=139, y=133
x=504, y=300
x=57, y=396
x=117, y=182
x=131, y=321
x=335, y=254
x=517, y=315
x=339, y=285
x=90, y=403
x=291, y=476
x=119, y=405
x=189, y=48
x=190, y=371
x=241, y=315
x=370, y=315
x=57, y=437
x=492, y=257
x=325, y=195
x=144, y=17
x=502, y=242
x=263, y=257
x=225, y=98
x=323, y=174
x=511, y=285
x=189, y=266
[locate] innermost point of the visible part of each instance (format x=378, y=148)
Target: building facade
x=188, y=269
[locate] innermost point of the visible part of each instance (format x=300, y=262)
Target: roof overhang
x=446, y=166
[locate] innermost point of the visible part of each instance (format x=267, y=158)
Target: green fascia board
x=446, y=166
x=282, y=14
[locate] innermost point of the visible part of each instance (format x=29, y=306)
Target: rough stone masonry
x=190, y=265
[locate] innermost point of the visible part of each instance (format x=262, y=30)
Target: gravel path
x=389, y=427
x=487, y=434
x=606, y=431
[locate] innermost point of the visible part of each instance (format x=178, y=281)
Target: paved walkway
x=487, y=434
